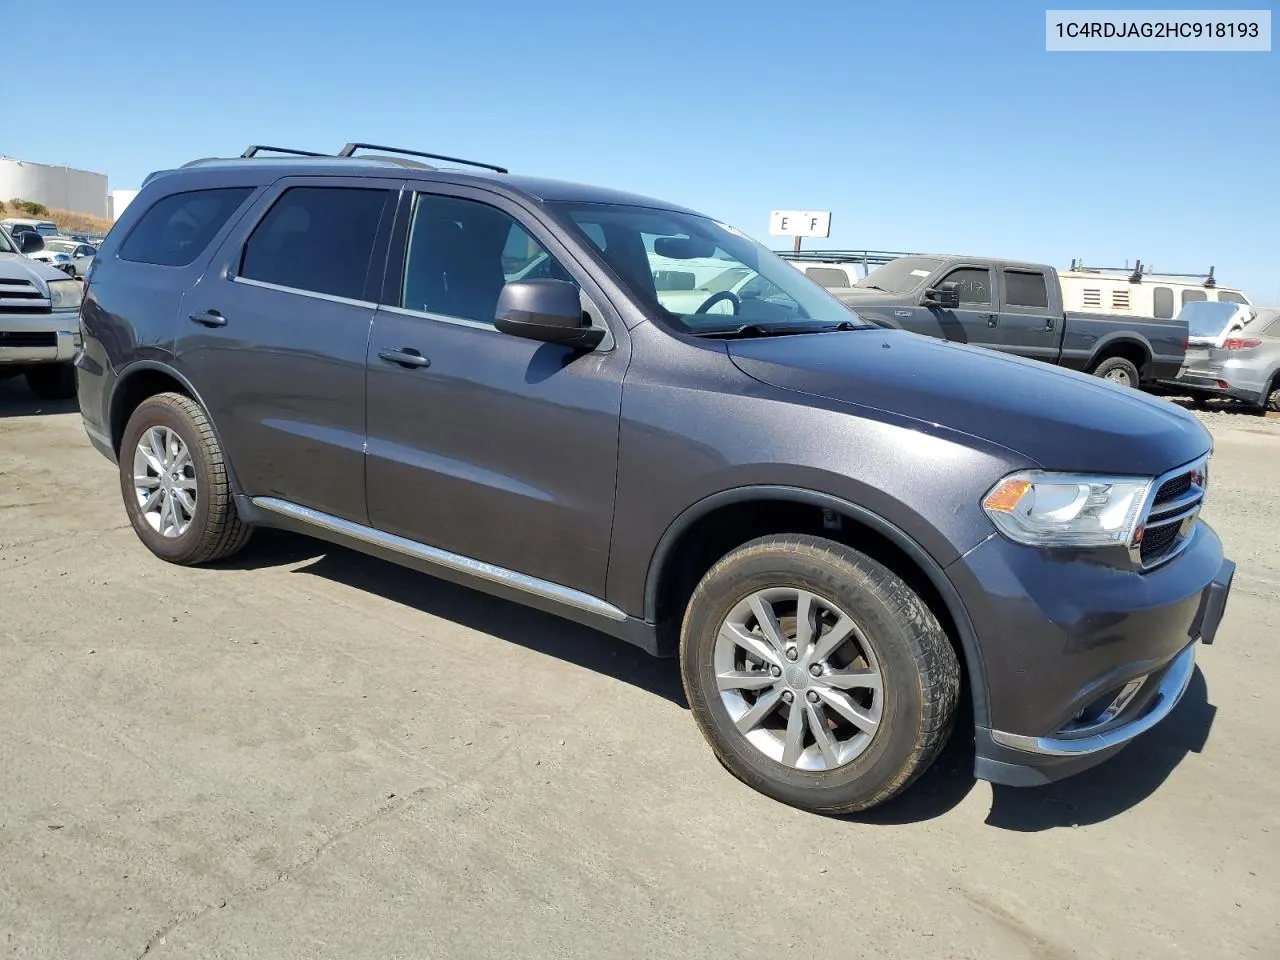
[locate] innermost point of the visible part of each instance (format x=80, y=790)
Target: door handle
x=992, y=319
x=210, y=318
x=1048, y=323
x=406, y=357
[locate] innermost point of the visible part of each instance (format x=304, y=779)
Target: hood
x=17, y=266
x=860, y=296
x=1056, y=418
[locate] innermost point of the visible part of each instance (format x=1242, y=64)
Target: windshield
x=900, y=276
x=1207, y=318
x=700, y=275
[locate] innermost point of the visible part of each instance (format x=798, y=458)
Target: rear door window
x=1026, y=288
x=317, y=239
x=179, y=227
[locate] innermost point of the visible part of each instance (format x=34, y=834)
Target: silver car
x=1233, y=350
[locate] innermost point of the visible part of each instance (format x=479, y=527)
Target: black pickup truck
x=1016, y=308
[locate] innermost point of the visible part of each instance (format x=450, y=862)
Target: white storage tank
x=58, y=188
x=119, y=200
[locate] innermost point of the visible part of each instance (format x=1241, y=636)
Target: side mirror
x=547, y=310
x=945, y=295
x=29, y=242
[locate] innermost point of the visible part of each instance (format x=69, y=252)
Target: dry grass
x=67, y=221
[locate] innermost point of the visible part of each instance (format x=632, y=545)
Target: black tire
x=1273, y=397
x=215, y=531
x=52, y=381
x=921, y=676
x=1112, y=367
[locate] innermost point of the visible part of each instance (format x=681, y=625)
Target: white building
x=119, y=200
x=58, y=188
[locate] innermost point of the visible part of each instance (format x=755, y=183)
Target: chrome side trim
x=442, y=558
x=305, y=293
x=1172, y=686
x=441, y=318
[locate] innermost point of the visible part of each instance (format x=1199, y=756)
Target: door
x=975, y=320
x=482, y=444
x=275, y=336
x=1028, y=326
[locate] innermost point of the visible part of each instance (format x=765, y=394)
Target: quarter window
x=318, y=239
x=1025, y=289
x=973, y=284
x=1162, y=303
x=178, y=227
x=462, y=252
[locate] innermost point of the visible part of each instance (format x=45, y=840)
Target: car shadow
x=533, y=629
x=17, y=400
x=1096, y=795
x=1114, y=786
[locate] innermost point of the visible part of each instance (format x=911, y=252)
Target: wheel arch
x=665, y=572
x=146, y=378
x=1132, y=346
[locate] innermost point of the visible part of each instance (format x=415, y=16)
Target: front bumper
x=1081, y=658
x=39, y=338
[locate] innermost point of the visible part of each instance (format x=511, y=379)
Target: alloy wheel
x=799, y=679
x=164, y=481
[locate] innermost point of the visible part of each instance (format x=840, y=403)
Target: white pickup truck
x=39, y=319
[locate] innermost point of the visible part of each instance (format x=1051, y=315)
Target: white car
x=70, y=256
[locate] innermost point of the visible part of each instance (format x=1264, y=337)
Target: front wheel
x=817, y=675
x=1119, y=371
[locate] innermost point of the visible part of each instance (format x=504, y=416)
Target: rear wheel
x=1273, y=397
x=1118, y=370
x=818, y=677
x=52, y=381
x=175, y=484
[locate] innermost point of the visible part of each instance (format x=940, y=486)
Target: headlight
x=65, y=294
x=1043, y=509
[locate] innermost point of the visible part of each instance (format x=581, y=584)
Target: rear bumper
x=1081, y=658
x=1218, y=387
x=40, y=338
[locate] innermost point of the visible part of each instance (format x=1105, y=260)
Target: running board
x=442, y=558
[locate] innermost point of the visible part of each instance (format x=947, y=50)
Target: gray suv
x=840, y=530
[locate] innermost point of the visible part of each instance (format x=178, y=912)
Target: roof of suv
x=537, y=188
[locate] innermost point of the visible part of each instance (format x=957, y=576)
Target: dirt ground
x=306, y=753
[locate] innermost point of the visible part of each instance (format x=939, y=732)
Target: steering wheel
x=715, y=298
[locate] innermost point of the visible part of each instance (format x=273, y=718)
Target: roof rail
x=864, y=257
x=350, y=149
x=255, y=149
x=1140, y=270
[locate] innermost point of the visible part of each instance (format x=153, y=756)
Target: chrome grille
x=21, y=296
x=1170, y=515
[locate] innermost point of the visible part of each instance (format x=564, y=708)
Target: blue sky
x=922, y=126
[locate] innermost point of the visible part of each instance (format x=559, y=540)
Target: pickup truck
x=1016, y=308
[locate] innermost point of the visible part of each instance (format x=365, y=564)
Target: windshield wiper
x=779, y=329
x=871, y=286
